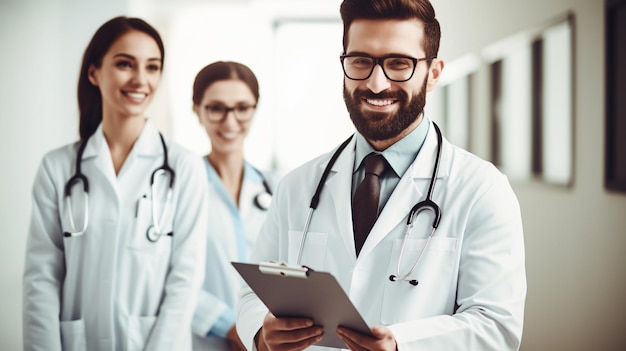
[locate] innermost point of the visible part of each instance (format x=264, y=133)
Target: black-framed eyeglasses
x=217, y=113
x=396, y=68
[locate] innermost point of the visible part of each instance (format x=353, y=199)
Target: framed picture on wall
x=532, y=102
x=615, y=153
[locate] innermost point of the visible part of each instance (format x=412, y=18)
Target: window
x=310, y=116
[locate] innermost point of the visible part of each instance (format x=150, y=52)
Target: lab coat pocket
x=139, y=328
x=143, y=223
x=73, y=335
x=434, y=272
x=314, y=251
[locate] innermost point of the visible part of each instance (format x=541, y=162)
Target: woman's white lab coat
x=472, y=283
x=230, y=237
x=111, y=288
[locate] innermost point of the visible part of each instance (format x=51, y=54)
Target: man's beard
x=379, y=125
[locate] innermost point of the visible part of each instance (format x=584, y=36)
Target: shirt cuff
x=223, y=324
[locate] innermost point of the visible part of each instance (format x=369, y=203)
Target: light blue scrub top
x=231, y=237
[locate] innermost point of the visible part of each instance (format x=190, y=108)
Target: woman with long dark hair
x=115, y=252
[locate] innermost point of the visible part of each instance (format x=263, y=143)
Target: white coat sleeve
x=250, y=310
x=44, y=268
x=491, y=287
x=207, y=313
x=172, y=330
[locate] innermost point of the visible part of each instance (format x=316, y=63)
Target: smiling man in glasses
x=448, y=278
x=383, y=93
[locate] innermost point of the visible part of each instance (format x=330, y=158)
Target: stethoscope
x=427, y=204
x=263, y=199
x=154, y=232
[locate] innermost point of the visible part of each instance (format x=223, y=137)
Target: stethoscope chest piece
x=154, y=231
x=263, y=200
x=153, y=235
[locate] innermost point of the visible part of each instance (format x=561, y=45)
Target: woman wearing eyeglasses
x=225, y=95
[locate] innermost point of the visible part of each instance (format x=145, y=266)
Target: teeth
x=136, y=95
x=229, y=135
x=380, y=102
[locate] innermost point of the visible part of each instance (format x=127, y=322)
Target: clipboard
x=297, y=291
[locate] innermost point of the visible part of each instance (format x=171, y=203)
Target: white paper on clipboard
x=295, y=291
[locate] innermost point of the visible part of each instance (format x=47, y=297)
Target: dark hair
x=89, y=97
x=394, y=9
x=223, y=70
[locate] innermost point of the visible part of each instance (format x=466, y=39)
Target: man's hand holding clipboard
x=308, y=307
x=300, y=333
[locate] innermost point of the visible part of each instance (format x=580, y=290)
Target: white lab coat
x=222, y=283
x=111, y=288
x=472, y=283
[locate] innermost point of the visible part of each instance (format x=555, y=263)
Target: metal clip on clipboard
x=284, y=269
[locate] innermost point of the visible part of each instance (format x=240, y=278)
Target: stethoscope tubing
x=266, y=194
x=77, y=177
x=154, y=231
x=427, y=204
x=318, y=191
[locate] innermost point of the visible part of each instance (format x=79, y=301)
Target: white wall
x=574, y=236
x=579, y=250
x=297, y=67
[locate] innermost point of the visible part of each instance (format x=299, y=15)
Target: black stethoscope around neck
x=154, y=232
x=426, y=205
x=263, y=199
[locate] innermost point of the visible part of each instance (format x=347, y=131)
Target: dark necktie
x=365, y=201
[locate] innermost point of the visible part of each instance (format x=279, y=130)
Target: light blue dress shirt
x=400, y=156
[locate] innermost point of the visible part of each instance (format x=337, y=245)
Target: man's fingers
x=379, y=332
x=351, y=344
x=383, y=339
x=295, y=345
x=286, y=324
x=295, y=335
x=286, y=334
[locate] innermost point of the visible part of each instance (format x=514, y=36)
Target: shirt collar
x=400, y=155
x=148, y=143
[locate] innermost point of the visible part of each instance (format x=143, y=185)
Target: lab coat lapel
x=98, y=155
x=412, y=188
x=145, y=156
x=400, y=202
x=423, y=166
x=149, y=143
x=339, y=187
